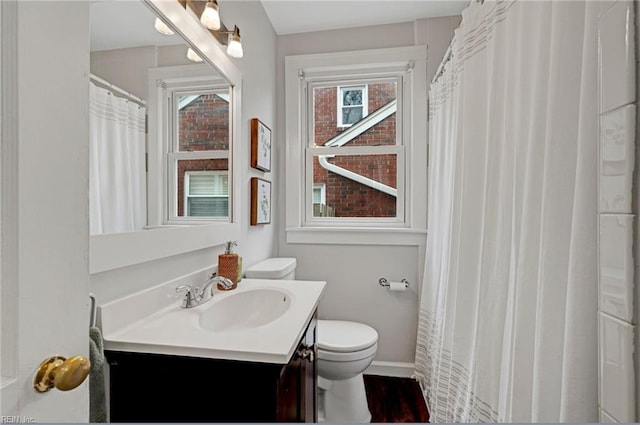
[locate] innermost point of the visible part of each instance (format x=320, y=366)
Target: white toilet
x=345, y=350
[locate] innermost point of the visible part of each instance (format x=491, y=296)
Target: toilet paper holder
x=384, y=282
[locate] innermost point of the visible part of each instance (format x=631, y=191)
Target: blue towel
x=97, y=389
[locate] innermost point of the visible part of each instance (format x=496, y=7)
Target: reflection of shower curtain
x=117, y=164
x=507, y=327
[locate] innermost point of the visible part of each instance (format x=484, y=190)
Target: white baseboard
x=397, y=369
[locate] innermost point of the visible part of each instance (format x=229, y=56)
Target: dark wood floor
x=395, y=399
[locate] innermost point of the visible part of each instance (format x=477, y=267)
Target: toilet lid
x=344, y=336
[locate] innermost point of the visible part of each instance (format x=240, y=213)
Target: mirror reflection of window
x=199, y=156
x=197, y=152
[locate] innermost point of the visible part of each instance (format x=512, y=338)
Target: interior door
x=44, y=304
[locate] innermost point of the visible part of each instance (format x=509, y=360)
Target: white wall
x=258, y=100
x=352, y=271
x=126, y=68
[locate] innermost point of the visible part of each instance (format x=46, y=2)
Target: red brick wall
x=347, y=197
x=204, y=125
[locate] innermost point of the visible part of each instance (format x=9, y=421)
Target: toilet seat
x=341, y=356
x=344, y=341
x=342, y=336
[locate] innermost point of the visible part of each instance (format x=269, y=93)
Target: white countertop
x=153, y=321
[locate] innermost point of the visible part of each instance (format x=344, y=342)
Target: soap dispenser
x=228, y=265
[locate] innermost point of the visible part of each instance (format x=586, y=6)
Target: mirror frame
x=117, y=250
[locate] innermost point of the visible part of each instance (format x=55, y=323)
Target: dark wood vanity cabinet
x=166, y=388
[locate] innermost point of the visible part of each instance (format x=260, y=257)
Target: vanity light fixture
x=193, y=56
x=162, y=28
x=210, y=17
x=234, y=47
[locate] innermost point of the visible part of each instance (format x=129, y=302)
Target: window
x=319, y=194
x=206, y=193
x=353, y=167
x=352, y=105
x=198, y=155
x=356, y=166
x=319, y=199
x=190, y=140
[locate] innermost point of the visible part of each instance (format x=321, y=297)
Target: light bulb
x=193, y=56
x=234, y=46
x=162, y=28
x=210, y=17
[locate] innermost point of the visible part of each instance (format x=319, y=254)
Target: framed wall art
x=260, y=201
x=260, y=145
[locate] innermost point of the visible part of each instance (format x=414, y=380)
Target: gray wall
x=352, y=271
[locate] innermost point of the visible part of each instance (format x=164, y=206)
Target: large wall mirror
x=161, y=134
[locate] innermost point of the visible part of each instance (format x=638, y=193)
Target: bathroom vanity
x=177, y=365
x=163, y=388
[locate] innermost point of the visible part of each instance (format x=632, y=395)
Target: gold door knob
x=61, y=373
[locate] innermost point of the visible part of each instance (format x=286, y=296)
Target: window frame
x=410, y=64
x=323, y=192
x=313, y=151
x=162, y=181
x=341, y=106
x=173, y=153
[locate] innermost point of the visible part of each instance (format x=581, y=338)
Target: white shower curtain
x=507, y=329
x=117, y=163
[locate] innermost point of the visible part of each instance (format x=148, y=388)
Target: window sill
x=356, y=236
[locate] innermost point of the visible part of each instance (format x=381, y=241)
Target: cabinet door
x=309, y=376
x=297, y=387
x=289, y=390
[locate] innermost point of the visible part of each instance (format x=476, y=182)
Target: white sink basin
x=260, y=321
x=245, y=310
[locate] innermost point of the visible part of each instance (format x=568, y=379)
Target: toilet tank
x=273, y=268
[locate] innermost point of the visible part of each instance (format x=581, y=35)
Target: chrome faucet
x=225, y=282
x=189, y=299
x=194, y=297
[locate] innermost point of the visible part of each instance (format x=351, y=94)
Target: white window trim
x=340, y=105
x=338, y=148
x=162, y=178
x=301, y=69
x=172, y=90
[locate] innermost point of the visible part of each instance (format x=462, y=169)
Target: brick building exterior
x=204, y=125
x=346, y=197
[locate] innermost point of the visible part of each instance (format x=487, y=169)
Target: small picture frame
x=260, y=145
x=260, y=201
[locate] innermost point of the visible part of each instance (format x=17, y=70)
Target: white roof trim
x=363, y=125
x=351, y=133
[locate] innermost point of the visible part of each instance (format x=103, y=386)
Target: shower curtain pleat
x=507, y=323
x=117, y=193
